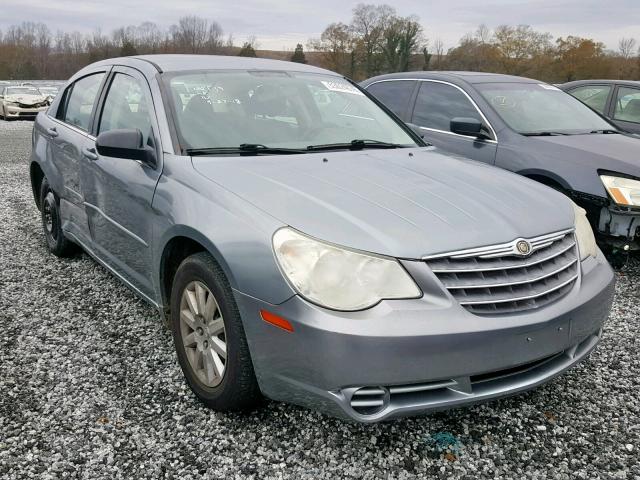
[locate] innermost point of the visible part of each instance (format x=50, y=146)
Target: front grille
x=496, y=279
x=33, y=105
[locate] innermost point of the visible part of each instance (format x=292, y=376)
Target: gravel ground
x=90, y=388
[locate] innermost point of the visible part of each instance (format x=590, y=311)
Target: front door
x=626, y=109
x=118, y=192
x=438, y=103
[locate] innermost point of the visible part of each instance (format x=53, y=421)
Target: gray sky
x=281, y=24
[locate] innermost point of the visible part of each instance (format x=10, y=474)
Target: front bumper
x=14, y=111
x=424, y=354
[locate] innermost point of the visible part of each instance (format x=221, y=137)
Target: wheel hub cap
x=203, y=333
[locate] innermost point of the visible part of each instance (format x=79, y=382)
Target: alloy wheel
x=203, y=333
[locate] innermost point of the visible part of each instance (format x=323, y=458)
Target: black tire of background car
x=57, y=243
x=239, y=387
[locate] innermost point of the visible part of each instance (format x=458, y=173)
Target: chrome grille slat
x=516, y=299
x=457, y=285
x=498, y=282
x=533, y=259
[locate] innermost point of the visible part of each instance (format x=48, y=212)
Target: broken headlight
x=623, y=191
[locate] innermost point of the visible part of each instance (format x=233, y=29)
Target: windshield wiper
x=244, y=149
x=543, y=134
x=605, y=131
x=357, y=144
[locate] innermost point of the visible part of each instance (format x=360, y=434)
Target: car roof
x=177, y=63
x=577, y=83
x=454, y=77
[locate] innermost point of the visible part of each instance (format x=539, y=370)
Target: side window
x=81, y=98
x=394, y=94
x=594, y=96
x=628, y=105
x=438, y=103
x=126, y=106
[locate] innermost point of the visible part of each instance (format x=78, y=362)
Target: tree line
x=31, y=51
x=376, y=40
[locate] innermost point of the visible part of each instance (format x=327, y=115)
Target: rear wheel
x=57, y=243
x=209, y=337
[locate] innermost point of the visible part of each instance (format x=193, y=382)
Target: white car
x=21, y=102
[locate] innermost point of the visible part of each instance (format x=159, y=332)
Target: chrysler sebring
x=305, y=245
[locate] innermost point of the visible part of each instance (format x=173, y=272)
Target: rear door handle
x=90, y=153
x=52, y=131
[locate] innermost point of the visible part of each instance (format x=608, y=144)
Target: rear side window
x=628, y=105
x=438, y=103
x=126, y=106
x=594, y=96
x=80, y=99
x=394, y=94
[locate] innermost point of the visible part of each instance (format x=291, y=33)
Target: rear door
x=67, y=131
x=395, y=95
x=436, y=104
x=118, y=192
x=626, y=108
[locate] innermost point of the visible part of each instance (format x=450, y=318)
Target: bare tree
x=627, y=47
x=190, y=34
x=368, y=25
x=336, y=45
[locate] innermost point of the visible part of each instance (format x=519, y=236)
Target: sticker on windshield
x=343, y=87
x=549, y=87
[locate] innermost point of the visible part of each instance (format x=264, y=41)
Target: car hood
x=615, y=152
x=404, y=203
x=25, y=99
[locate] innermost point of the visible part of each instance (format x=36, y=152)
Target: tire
x=196, y=327
x=57, y=243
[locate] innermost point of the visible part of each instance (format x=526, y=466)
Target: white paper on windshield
x=549, y=87
x=342, y=87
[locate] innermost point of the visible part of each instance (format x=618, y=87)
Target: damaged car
x=305, y=245
x=531, y=128
x=22, y=101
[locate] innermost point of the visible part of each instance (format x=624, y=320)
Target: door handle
x=52, y=131
x=90, y=153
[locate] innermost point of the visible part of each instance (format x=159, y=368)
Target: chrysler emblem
x=523, y=247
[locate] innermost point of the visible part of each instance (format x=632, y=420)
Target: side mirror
x=471, y=127
x=125, y=143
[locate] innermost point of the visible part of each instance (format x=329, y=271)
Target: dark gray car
x=307, y=246
x=531, y=128
x=617, y=100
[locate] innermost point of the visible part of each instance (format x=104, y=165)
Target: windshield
x=22, y=91
x=227, y=109
x=531, y=108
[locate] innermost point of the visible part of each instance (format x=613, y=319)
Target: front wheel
x=209, y=337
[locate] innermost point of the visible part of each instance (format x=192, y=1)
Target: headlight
x=624, y=191
x=584, y=235
x=338, y=278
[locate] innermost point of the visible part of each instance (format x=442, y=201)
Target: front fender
x=235, y=233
